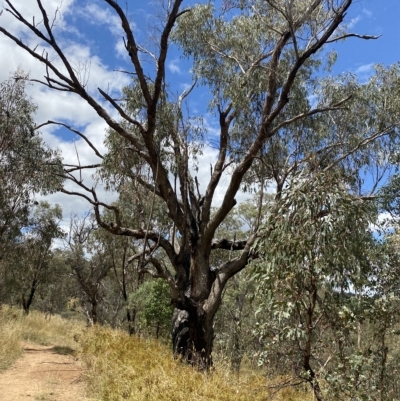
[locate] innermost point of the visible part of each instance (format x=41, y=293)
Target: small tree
x=152, y=303
x=89, y=269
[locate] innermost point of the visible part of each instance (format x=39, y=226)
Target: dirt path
x=41, y=374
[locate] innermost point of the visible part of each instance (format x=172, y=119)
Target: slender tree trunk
x=311, y=378
x=93, y=311
x=382, y=373
x=130, y=317
x=26, y=303
x=25, y=306
x=237, y=353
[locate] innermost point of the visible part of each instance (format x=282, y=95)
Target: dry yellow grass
x=17, y=328
x=10, y=344
x=120, y=367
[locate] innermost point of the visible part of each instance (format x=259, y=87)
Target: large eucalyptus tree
x=261, y=62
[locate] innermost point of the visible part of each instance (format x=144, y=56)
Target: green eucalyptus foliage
x=317, y=287
x=27, y=165
x=229, y=50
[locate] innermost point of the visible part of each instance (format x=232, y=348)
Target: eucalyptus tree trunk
x=27, y=302
x=192, y=336
x=192, y=323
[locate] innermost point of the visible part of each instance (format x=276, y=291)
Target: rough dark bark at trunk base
x=180, y=332
x=130, y=317
x=192, y=337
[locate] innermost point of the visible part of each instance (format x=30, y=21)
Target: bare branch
x=121, y=111
x=336, y=106
x=75, y=168
x=353, y=35
x=363, y=143
x=83, y=136
x=132, y=49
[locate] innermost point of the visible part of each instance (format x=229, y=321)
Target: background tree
x=28, y=263
x=324, y=288
x=60, y=289
x=260, y=61
x=27, y=165
x=89, y=268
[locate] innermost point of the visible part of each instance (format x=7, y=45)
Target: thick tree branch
x=158, y=82
x=224, y=273
x=228, y=245
x=132, y=49
x=224, y=123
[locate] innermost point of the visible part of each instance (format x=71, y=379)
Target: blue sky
x=91, y=35
x=372, y=17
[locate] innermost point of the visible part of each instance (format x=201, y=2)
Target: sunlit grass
x=120, y=367
x=17, y=329
x=10, y=334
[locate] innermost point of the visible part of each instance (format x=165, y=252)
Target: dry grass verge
x=17, y=328
x=120, y=367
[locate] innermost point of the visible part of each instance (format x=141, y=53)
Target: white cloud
x=96, y=15
x=31, y=11
x=366, y=68
x=364, y=72
x=173, y=66
x=386, y=222
x=353, y=22
x=367, y=12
